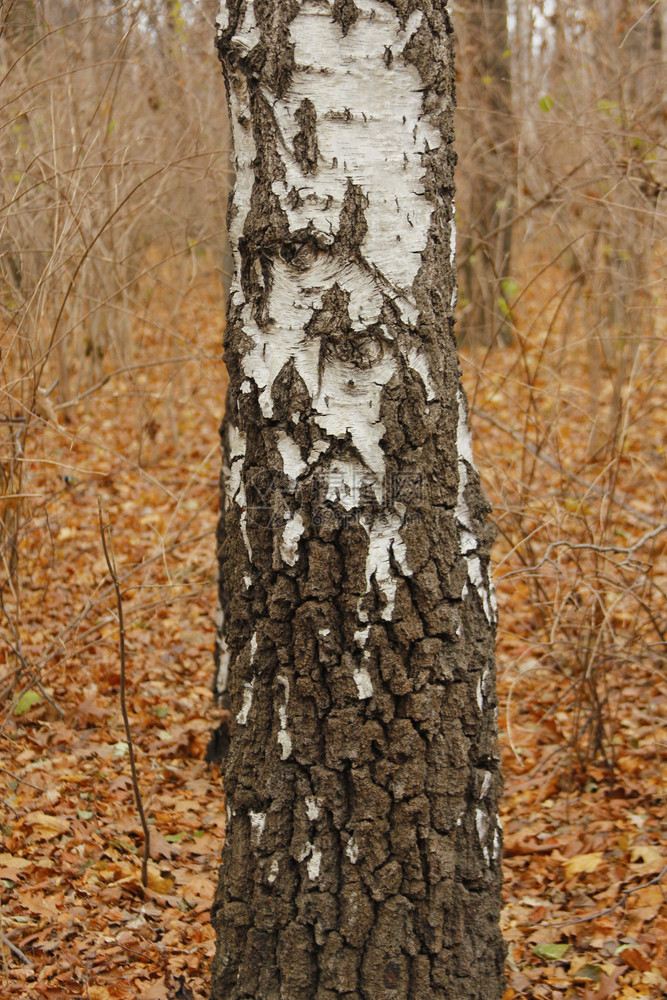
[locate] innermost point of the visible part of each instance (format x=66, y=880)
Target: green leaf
x=26, y=701
x=122, y=846
x=607, y=106
x=486, y=80
x=174, y=838
x=546, y=103
x=556, y=951
x=503, y=305
x=589, y=971
x=84, y=814
x=510, y=288
x=161, y=711
x=120, y=749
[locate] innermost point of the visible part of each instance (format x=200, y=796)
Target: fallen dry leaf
x=635, y=959
x=161, y=848
x=99, y=993
x=583, y=863
x=158, y=882
x=11, y=863
x=649, y=855
x=45, y=906
x=607, y=986
x=46, y=826
x=156, y=991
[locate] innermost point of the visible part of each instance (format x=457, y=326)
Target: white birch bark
x=372, y=134
x=358, y=616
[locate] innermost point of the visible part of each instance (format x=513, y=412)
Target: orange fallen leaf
x=46, y=826
x=651, y=895
x=161, y=848
x=583, y=863
x=515, y=844
x=607, y=986
x=654, y=978
x=636, y=959
x=42, y=905
x=8, y=862
x=99, y=993
x=200, y=887
x=157, y=991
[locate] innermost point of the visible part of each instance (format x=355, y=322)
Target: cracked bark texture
x=357, y=619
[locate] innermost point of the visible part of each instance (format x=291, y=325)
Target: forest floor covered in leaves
x=583, y=712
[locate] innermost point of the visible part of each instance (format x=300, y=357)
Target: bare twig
x=16, y=951
x=31, y=671
x=589, y=487
x=139, y=954
x=626, y=551
x=111, y=565
x=610, y=909
x=120, y=371
x=22, y=780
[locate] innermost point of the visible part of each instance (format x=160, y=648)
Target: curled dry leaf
x=158, y=882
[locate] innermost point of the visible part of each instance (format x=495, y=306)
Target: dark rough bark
x=362, y=856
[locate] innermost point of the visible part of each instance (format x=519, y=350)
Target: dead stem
x=111, y=564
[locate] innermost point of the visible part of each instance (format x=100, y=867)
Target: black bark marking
x=352, y=227
x=306, y=151
x=345, y=13
x=272, y=58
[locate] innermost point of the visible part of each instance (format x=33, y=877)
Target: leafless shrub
x=114, y=169
x=562, y=195
x=581, y=577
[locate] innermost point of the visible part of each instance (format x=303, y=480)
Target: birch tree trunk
x=363, y=850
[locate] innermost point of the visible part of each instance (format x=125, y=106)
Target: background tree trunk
x=487, y=127
x=362, y=855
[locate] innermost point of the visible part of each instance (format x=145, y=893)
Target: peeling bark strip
x=357, y=620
